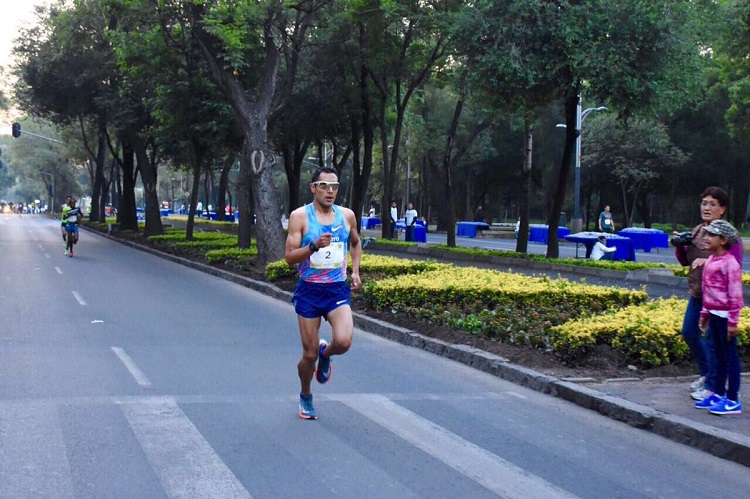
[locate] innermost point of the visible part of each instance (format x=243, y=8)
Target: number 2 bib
x=330, y=257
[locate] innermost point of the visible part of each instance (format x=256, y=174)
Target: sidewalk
x=660, y=405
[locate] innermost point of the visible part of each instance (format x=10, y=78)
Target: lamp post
x=577, y=221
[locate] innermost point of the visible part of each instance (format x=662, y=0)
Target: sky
x=13, y=14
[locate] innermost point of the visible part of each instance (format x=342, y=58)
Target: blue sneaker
x=726, y=406
x=708, y=401
x=324, y=371
x=306, y=409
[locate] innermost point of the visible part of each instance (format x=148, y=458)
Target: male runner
x=72, y=218
x=63, y=221
x=320, y=233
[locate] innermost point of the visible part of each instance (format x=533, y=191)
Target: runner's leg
x=308, y=332
x=342, y=325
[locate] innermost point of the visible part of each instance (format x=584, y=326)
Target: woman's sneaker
x=697, y=384
x=306, y=409
x=726, y=406
x=707, y=402
x=700, y=394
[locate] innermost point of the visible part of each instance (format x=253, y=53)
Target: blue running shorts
x=312, y=299
x=71, y=228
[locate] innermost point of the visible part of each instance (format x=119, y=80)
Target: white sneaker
x=700, y=394
x=697, y=384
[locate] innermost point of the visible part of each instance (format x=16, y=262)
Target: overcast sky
x=13, y=14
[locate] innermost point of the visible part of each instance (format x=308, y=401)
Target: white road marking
x=79, y=298
x=185, y=462
x=491, y=471
x=57, y=269
x=517, y=395
x=33, y=460
x=131, y=366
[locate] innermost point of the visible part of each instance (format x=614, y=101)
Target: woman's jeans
x=727, y=358
x=702, y=351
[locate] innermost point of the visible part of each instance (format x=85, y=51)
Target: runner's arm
x=355, y=248
x=293, y=254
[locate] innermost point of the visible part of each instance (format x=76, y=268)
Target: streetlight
x=577, y=221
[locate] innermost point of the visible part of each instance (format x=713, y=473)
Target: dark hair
x=323, y=169
x=718, y=194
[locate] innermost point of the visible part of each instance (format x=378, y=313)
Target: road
x=125, y=375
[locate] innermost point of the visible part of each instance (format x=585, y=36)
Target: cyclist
x=72, y=218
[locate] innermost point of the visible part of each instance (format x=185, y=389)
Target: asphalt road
x=125, y=375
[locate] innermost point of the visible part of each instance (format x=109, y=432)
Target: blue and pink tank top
x=327, y=264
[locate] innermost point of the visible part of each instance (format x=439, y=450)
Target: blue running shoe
x=726, y=406
x=708, y=401
x=306, y=409
x=324, y=371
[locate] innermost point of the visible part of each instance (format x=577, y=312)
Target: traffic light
x=16, y=130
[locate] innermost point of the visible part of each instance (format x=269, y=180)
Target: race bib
x=72, y=219
x=330, y=257
x=607, y=222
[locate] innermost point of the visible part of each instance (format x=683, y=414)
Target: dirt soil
x=602, y=363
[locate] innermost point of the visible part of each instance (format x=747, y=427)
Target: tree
x=634, y=54
x=634, y=155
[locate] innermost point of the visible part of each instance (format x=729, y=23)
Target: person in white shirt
x=601, y=251
x=410, y=219
x=394, y=218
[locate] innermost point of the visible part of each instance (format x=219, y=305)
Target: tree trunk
x=525, y=195
x=553, y=216
x=126, y=214
x=150, y=192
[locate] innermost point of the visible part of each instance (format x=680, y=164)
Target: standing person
x=479, y=217
x=410, y=219
x=371, y=213
x=722, y=302
x=691, y=250
x=606, y=222
x=394, y=218
x=320, y=233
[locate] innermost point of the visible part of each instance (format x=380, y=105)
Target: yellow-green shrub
x=648, y=333
x=374, y=266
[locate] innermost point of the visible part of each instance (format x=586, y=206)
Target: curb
x=718, y=442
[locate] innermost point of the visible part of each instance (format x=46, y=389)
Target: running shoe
x=697, y=384
x=726, y=406
x=708, y=401
x=700, y=394
x=306, y=409
x=324, y=371
x=67, y=251
x=71, y=254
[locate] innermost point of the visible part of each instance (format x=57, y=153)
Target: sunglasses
x=327, y=186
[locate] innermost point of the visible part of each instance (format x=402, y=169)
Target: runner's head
x=325, y=186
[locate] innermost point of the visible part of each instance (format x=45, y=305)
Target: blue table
x=540, y=233
x=469, y=229
x=420, y=231
x=645, y=239
x=624, y=245
x=370, y=222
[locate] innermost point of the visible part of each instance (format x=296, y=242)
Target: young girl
x=722, y=302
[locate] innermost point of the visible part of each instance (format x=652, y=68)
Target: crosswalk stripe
x=489, y=470
x=33, y=461
x=186, y=464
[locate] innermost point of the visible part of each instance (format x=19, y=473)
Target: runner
x=72, y=218
x=320, y=233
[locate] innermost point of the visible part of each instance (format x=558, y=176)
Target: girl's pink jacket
x=722, y=287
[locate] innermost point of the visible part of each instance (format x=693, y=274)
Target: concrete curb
x=721, y=443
